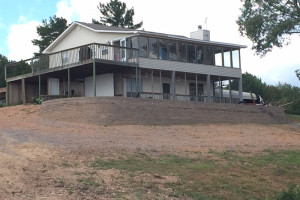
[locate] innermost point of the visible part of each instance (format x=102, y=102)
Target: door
x=123, y=50
x=192, y=88
x=166, y=90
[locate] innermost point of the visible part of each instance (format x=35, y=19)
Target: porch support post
x=94, y=77
x=69, y=80
x=23, y=91
x=39, y=86
x=230, y=95
x=173, y=85
x=136, y=82
x=160, y=85
x=185, y=86
x=240, y=89
x=140, y=82
x=208, y=87
x=220, y=89
x=197, y=95
x=152, y=82
x=6, y=94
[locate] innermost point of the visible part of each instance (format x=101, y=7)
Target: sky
x=19, y=19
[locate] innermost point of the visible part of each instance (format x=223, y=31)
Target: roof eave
x=194, y=40
x=46, y=51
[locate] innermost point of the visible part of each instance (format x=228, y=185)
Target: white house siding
x=82, y=36
x=104, y=85
x=179, y=85
x=53, y=86
x=189, y=67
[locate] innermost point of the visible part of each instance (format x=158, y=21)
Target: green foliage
x=3, y=61
x=276, y=95
x=293, y=193
x=115, y=13
x=49, y=31
x=268, y=23
x=298, y=73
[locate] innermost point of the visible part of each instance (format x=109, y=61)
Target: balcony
x=101, y=53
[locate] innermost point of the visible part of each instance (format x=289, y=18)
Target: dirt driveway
x=34, y=151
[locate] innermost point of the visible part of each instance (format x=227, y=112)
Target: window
x=235, y=59
x=227, y=62
x=192, y=88
x=209, y=55
x=182, y=51
x=130, y=87
x=218, y=56
x=162, y=49
x=143, y=47
x=153, y=48
x=173, y=51
x=199, y=54
x=191, y=54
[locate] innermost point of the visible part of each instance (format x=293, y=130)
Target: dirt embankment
x=131, y=111
x=45, y=150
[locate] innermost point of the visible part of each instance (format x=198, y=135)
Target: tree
x=115, y=13
x=269, y=23
x=3, y=62
x=49, y=31
x=298, y=73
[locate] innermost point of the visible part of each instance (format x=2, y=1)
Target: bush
x=293, y=193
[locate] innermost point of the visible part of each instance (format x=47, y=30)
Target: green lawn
x=218, y=175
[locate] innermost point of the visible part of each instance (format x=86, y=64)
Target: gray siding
x=189, y=67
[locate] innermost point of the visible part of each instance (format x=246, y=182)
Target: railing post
x=6, y=96
x=230, y=95
x=69, y=77
x=94, y=72
x=208, y=87
x=31, y=65
x=136, y=81
x=160, y=85
x=197, y=95
x=39, y=87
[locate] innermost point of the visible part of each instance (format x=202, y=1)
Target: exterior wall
x=180, y=85
x=53, y=86
x=77, y=87
x=189, y=67
x=82, y=36
x=14, y=93
x=104, y=85
x=31, y=92
x=118, y=83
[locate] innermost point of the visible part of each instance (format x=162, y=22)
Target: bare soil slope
x=43, y=157
x=132, y=111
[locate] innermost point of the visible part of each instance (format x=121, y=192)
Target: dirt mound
x=132, y=111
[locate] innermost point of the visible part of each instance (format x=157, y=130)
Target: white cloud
x=19, y=40
x=78, y=10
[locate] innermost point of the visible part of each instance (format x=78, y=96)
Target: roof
x=180, y=37
x=100, y=27
x=113, y=29
x=93, y=27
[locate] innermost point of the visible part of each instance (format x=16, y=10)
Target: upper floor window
x=143, y=47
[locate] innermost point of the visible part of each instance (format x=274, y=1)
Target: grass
x=89, y=182
x=222, y=175
x=295, y=117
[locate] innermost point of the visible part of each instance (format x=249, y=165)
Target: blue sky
x=20, y=11
x=19, y=18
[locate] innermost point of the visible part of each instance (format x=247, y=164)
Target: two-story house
x=96, y=60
